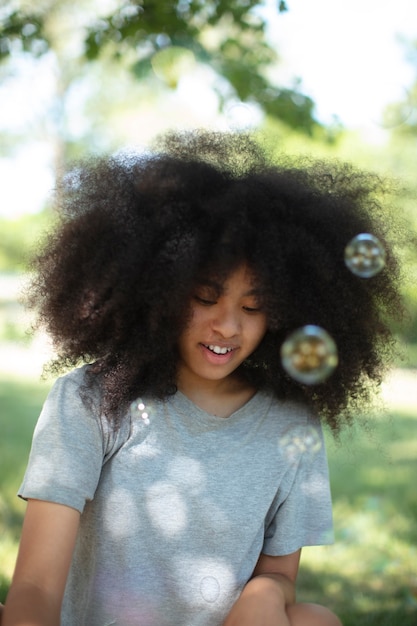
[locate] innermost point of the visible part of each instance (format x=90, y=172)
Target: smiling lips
x=218, y=349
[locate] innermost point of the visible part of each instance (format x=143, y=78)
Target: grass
x=20, y=403
x=369, y=576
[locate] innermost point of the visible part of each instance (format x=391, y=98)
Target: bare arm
x=265, y=597
x=47, y=543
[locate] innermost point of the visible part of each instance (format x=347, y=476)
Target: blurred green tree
x=401, y=116
x=161, y=38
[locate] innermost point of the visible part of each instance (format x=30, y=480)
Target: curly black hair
x=138, y=232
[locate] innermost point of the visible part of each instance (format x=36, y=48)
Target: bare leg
x=306, y=614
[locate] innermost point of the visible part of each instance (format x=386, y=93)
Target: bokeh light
x=138, y=411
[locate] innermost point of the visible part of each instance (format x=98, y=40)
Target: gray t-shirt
x=178, y=504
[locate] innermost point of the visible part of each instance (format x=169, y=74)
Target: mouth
x=220, y=350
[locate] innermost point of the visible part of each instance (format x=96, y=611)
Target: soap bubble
x=241, y=116
x=138, y=411
x=171, y=63
x=309, y=355
x=300, y=440
x=210, y=589
x=365, y=255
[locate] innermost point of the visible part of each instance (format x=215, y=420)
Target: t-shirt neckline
x=186, y=405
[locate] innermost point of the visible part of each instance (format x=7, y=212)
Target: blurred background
x=327, y=78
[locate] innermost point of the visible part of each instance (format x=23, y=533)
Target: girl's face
x=226, y=326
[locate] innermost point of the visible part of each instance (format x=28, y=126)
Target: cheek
x=199, y=317
x=195, y=322
x=258, y=330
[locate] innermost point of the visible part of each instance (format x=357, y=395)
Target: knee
x=307, y=614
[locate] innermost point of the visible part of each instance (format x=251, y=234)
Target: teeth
x=219, y=350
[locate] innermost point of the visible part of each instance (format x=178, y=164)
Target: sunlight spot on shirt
x=314, y=485
x=187, y=472
x=120, y=512
x=167, y=508
x=145, y=450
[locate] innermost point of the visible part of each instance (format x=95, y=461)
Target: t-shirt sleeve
x=66, y=456
x=303, y=515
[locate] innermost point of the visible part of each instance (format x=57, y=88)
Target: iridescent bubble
x=300, y=440
x=365, y=255
x=309, y=355
x=171, y=63
x=138, y=411
x=241, y=116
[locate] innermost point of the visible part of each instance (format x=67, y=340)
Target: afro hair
x=138, y=232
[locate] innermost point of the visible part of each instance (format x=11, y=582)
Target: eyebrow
x=219, y=288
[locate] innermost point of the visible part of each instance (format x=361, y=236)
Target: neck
x=217, y=397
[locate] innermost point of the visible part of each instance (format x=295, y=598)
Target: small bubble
x=300, y=440
x=210, y=589
x=365, y=255
x=241, y=116
x=171, y=63
x=309, y=355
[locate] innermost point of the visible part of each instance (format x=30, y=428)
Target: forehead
x=241, y=279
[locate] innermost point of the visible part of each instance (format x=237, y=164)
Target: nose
x=226, y=322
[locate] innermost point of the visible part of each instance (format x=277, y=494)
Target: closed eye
x=204, y=301
x=250, y=309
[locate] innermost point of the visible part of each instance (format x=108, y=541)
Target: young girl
x=178, y=470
